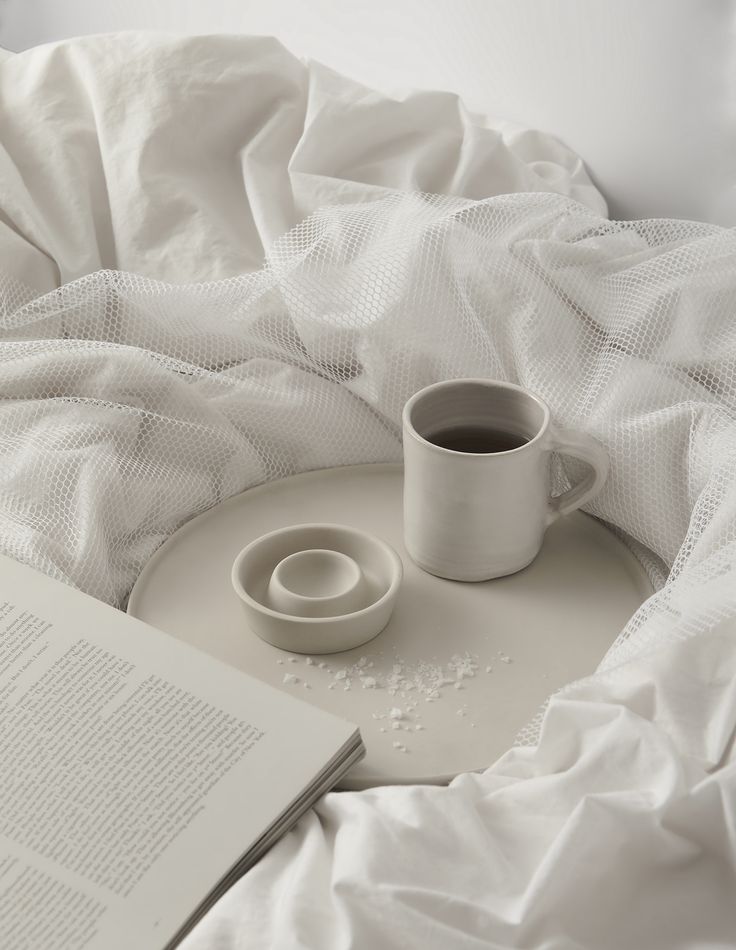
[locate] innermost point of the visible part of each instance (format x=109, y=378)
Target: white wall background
x=643, y=89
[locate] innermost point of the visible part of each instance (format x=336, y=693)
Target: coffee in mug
x=476, y=439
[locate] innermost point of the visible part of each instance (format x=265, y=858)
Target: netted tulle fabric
x=129, y=405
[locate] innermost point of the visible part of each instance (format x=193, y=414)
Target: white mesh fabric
x=129, y=406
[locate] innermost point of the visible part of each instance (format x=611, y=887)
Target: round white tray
x=517, y=639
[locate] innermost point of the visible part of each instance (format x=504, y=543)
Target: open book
x=138, y=776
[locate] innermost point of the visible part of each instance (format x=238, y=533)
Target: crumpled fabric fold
x=133, y=398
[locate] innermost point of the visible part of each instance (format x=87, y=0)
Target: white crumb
x=290, y=678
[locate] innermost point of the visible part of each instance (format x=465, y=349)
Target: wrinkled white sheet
x=615, y=832
x=183, y=160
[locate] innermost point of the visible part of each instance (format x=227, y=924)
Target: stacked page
x=139, y=777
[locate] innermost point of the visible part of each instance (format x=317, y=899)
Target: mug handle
x=587, y=449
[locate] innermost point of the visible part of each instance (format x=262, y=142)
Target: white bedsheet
x=182, y=160
x=616, y=833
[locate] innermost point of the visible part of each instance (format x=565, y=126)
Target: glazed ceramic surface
x=317, y=582
x=554, y=621
x=316, y=588
x=470, y=516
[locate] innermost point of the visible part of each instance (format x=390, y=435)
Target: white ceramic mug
x=479, y=509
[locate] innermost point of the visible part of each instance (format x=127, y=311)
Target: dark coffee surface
x=480, y=440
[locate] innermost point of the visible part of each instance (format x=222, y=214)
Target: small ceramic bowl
x=317, y=583
x=317, y=588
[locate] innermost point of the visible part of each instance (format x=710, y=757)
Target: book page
x=139, y=770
